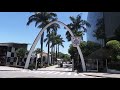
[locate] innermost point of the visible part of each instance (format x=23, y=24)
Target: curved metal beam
x=38, y=37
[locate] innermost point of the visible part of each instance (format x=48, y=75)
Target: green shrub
x=118, y=57
x=114, y=65
x=31, y=66
x=114, y=45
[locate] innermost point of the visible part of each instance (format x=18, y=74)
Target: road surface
x=49, y=72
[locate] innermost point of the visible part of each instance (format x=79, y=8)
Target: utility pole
x=73, y=65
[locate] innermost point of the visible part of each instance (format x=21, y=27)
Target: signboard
x=75, y=41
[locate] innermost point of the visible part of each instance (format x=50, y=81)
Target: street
x=48, y=72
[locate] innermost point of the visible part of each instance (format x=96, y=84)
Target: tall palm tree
x=50, y=35
x=77, y=26
x=54, y=28
x=59, y=42
x=41, y=19
x=55, y=40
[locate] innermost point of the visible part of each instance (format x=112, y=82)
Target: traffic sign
x=75, y=41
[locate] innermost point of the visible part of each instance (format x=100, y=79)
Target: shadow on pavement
x=10, y=70
x=55, y=70
x=96, y=76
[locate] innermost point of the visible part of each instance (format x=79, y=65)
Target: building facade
x=9, y=57
x=8, y=54
x=111, y=21
x=45, y=57
x=92, y=19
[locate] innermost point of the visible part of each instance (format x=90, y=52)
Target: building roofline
x=14, y=43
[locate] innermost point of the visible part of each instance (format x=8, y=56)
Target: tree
x=72, y=51
x=65, y=57
x=86, y=47
x=54, y=28
x=55, y=40
x=114, y=47
x=78, y=26
x=41, y=19
x=59, y=42
x=21, y=52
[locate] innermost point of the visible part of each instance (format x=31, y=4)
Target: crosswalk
x=53, y=73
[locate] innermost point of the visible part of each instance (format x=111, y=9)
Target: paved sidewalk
x=6, y=68
x=104, y=75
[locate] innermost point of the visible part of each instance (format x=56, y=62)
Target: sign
x=75, y=41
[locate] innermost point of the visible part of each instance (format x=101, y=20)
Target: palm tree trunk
x=48, y=48
x=42, y=37
x=52, y=55
x=56, y=52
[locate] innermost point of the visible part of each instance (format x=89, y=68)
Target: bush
x=114, y=45
x=118, y=57
x=31, y=66
x=114, y=48
x=114, y=65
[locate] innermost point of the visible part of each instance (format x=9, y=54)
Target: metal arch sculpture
x=38, y=37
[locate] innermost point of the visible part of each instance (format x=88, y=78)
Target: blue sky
x=13, y=28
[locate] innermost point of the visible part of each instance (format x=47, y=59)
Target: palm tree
x=54, y=28
x=78, y=26
x=50, y=35
x=56, y=42
x=41, y=19
x=59, y=41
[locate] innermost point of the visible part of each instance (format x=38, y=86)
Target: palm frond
x=45, y=39
x=72, y=19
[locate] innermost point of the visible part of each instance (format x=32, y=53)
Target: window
x=16, y=49
x=9, y=49
x=12, y=54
